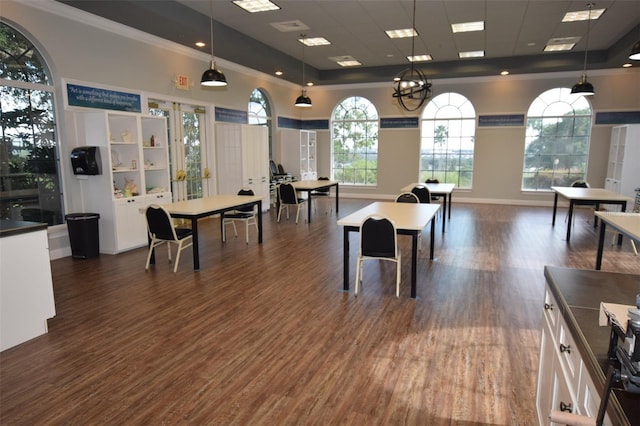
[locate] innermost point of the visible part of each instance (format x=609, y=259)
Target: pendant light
x=583, y=87
x=411, y=87
x=635, y=52
x=213, y=77
x=303, y=101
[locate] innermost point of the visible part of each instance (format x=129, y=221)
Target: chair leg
x=633, y=246
x=152, y=246
x=246, y=231
x=398, y=263
x=297, y=213
x=175, y=267
x=358, y=275
x=280, y=212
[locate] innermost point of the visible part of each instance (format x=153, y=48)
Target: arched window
x=260, y=113
x=447, y=139
x=29, y=157
x=556, y=144
x=355, y=142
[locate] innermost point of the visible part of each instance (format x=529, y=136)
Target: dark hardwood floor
x=264, y=335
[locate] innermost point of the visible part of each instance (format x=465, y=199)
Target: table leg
x=196, y=252
x=345, y=249
x=624, y=209
x=433, y=234
x=309, y=206
x=555, y=209
x=414, y=262
x=600, y=246
x=571, y=203
x=450, y=206
x=337, y=204
x=259, y=221
x=444, y=212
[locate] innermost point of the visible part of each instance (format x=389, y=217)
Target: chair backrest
x=159, y=223
x=281, y=170
x=246, y=209
x=378, y=237
x=323, y=189
x=273, y=169
x=580, y=184
x=407, y=197
x=287, y=194
x=423, y=194
x=432, y=180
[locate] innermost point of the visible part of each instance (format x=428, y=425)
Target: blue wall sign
x=93, y=97
x=618, y=117
x=502, y=120
x=231, y=115
x=399, y=123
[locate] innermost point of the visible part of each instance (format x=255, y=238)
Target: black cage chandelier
x=411, y=87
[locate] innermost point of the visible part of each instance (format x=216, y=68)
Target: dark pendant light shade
x=583, y=87
x=635, y=52
x=212, y=77
x=303, y=101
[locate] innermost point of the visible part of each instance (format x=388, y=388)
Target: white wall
x=82, y=47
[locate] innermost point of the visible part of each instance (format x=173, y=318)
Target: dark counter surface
x=17, y=227
x=578, y=293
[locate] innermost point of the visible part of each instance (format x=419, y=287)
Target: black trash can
x=83, y=234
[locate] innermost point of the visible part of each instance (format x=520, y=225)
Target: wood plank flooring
x=264, y=335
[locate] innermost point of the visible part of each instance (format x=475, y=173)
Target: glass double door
x=190, y=171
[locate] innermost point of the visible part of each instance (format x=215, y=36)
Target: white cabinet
x=623, y=171
x=564, y=384
x=135, y=172
x=298, y=151
x=242, y=158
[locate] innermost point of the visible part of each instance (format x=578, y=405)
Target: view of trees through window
x=29, y=165
x=355, y=142
x=260, y=113
x=557, y=140
x=447, y=140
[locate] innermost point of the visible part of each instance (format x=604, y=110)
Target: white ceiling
x=516, y=32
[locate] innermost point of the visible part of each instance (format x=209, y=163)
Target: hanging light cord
x=303, y=44
x=586, y=49
x=413, y=37
x=211, y=26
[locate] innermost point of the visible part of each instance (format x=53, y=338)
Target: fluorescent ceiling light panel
x=403, y=33
x=345, y=61
x=582, y=15
x=559, y=47
x=255, y=6
x=419, y=58
x=314, y=41
x=464, y=27
x=471, y=54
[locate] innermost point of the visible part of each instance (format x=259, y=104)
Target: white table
x=585, y=196
x=441, y=189
x=209, y=206
x=409, y=219
x=626, y=223
x=313, y=185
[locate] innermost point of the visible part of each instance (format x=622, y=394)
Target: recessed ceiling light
x=201, y=43
x=558, y=47
x=627, y=65
x=471, y=54
x=582, y=15
x=309, y=83
x=419, y=58
x=279, y=72
x=402, y=33
x=255, y=6
x=464, y=27
x=505, y=72
x=314, y=41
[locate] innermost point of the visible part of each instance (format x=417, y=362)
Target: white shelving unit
x=242, y=157
x=298, y=152
x=135, y=173
x=623, y=171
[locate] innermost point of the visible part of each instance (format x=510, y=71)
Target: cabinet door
x=229, y=158
x=545, y=376
x=131, y=227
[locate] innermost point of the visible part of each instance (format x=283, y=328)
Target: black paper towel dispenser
x=85, y=160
